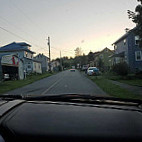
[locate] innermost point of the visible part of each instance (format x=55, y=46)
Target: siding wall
x=44, y=62
x=134, y=65
x=121, y=47
x=130, y=48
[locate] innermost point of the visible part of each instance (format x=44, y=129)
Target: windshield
x=47, y=47
x=91, y=68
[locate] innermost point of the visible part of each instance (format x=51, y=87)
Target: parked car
x=93, y=71
x=72, y=70
x=6, y=76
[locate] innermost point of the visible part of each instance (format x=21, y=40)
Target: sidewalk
x=134, y=89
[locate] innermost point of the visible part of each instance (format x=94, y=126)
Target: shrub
x=121, y=68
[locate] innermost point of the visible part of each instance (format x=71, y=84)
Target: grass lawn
x=112, y=89
x=135, y=82
x=10, y=85
x=130, y=79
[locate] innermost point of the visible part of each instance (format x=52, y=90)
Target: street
x=65, y=82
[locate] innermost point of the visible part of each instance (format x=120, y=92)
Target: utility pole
x=49, y=54
x=61, y=61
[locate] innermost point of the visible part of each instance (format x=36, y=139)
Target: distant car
x=72, y=70
x=93, y=71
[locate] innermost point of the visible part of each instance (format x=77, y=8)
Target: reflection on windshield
x=52, y=47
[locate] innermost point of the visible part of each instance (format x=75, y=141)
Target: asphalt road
x=65, y=82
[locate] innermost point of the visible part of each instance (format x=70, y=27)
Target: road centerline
x=43, y=93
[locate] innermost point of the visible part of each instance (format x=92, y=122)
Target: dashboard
x=38, y=121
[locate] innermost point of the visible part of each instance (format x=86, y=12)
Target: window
x=101, y=56
x=124, y=41
x=26, y=54
x=138, y=55
x=115, y=47
x=137, y=40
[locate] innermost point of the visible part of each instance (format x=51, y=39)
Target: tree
x=121, y=68
x=90, y=56
x=100, y=64
x=137, y=18
x=78, y=51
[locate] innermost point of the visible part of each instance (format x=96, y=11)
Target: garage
x=12, y=67
x=11, y=71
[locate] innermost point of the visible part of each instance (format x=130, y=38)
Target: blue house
x=126, y=49
x=22, y=51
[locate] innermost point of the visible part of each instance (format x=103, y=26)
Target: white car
x=92, y=71
x=6, y=77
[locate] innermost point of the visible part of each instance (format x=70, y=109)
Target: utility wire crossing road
x=65, y=82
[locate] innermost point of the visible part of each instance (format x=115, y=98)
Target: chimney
x=127, y=30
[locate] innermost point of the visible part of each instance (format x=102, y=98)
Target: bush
x=121, y=69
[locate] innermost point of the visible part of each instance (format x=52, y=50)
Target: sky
x=91, y=25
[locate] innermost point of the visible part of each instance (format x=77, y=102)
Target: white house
x=37, y=67
x=23, y=51
x=44, y=61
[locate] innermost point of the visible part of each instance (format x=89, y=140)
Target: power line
x=16, y=27
x=25, y=15
x=16, y=35
x=13, y=34
x=61, y=50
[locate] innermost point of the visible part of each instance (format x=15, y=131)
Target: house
x=93, y=63
x=37, y=67
x=22, y=51
x=44, y=61
x=102, y=60
x=127, y=50
x=55, y=65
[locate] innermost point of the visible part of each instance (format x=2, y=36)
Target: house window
x=137, y=40
x=115, y=47
x=101, y=56
x=138, y=55
x=124, y=41
x=26, y=54
x=29, y=66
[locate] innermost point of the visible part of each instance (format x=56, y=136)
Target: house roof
x=124, y=36
x=98, y=53
x=122, y=54
x=40, y=55
x=16, y=47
